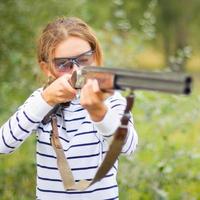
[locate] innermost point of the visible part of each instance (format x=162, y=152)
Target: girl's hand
x=60, y=91
x=92, y=99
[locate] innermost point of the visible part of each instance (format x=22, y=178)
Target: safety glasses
x=66, y=64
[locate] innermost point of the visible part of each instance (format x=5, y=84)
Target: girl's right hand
x=60, y=91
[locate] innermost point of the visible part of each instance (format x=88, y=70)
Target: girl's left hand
x=92, y=99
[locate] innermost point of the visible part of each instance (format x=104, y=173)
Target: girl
x=84, y=127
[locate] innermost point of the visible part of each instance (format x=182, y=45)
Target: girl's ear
x=45, y=68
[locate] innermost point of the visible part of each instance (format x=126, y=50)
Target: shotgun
x=122, y=79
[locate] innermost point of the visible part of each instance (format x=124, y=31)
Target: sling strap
x=111, y=156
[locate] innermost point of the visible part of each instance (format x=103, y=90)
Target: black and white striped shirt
x=84, y=142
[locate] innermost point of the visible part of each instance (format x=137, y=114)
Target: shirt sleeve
x=23, y=122
x=108, y=125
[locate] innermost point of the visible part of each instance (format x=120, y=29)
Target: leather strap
x=62, y=162
x=114, y=150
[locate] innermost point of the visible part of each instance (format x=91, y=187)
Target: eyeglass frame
x=73, y=60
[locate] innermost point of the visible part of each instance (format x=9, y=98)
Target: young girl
x=84, y=127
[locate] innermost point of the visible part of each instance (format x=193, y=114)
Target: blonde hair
x=59, y=30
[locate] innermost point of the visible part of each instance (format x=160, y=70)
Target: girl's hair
x=59, y=30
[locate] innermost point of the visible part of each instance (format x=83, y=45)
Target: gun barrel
x=171, y=82
x=123, y=82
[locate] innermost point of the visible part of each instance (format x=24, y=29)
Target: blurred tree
x=174, y=23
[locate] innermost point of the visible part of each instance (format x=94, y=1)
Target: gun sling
x=109, y=160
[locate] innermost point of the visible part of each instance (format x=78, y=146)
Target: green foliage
x=174, y=24
x=165, y=165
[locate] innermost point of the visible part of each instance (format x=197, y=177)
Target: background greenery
x=145, y=34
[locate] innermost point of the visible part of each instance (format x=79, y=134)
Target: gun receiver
x=116, y=78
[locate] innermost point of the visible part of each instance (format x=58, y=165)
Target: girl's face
x=70, y=54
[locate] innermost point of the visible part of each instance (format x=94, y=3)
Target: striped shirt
x=85, y=144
